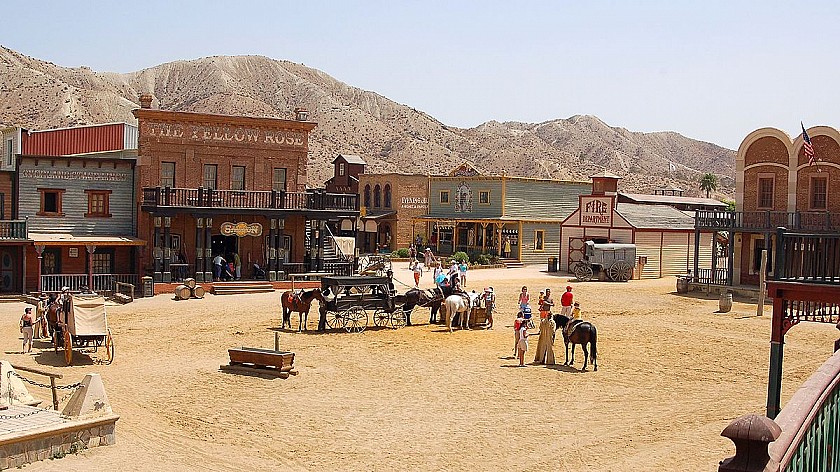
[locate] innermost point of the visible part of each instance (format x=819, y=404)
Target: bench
x=256, y=360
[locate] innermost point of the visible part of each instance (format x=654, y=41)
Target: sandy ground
x=672, y=374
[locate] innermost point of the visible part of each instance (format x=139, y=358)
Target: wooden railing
x=710, y=276
x=807, y=257
x=13, y=229
x=101, y=282
x=766, y=220
x=248, y=199
x=489, y=250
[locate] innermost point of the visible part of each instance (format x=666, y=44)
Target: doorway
x=224, y=245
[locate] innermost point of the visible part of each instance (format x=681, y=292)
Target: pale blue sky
x=711, y=70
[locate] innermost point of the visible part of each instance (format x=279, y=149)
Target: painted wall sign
x=414, y=202
x=74, y=175
x=236, y=134
x=241, y=229
x=463, y=198
x=596, y=211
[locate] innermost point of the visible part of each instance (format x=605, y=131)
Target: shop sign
x=596, y=211
x=238, y=134
x=74, y=175
x=414, y=202
x=241, y=229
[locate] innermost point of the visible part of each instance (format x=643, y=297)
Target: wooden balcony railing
x=157, y=197
x=766, y=220
x=13, y=229
x=807, y=257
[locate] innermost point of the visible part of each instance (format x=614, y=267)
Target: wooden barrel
x=682, y=284
x=725, y=302
x=182, y=292
x=190, y=282
x=198, y=292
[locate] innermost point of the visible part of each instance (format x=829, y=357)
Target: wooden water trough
x=252, y=360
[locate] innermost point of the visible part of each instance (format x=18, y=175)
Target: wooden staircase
x=241, y=287
x=511, y=263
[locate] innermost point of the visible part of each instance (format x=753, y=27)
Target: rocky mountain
x=388, y=135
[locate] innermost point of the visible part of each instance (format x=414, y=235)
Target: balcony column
x=90, y=250
x=199, y=250
x=730, y=264
x=167, y=249
x=208, y=249
x=157, y=251
x=40, y=251
x=696, y=256
x=272, y=246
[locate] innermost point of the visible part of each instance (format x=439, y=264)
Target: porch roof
x=494, y=219
x=64, y=239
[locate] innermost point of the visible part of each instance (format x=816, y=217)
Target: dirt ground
x=672, y=374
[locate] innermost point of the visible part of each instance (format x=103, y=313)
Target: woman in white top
x=522, y=345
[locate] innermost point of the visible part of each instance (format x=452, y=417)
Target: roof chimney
x=301, y=114
x=146, y=100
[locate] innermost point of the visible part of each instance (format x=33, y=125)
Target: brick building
x=223, y=185
x=776, y=186
x=391, y=202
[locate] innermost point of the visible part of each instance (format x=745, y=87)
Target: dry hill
x=389, y=135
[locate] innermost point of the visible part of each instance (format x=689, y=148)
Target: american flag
x=809, y=149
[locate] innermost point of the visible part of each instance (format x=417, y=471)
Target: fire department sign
x=241, y=229
x=596, y=211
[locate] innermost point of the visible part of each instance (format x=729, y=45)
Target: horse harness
x=572, y=326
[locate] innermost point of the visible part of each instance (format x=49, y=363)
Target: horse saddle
x=573, y=324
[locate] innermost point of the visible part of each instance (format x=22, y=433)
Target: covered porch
x=479, y=236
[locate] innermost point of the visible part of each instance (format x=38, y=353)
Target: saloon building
x=666, y=243
x=223, y=185
x=776, y=185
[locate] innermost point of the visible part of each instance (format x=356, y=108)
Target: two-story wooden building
x=230, y=185
x=776, y=185
x=476, y=214
x=13, y=238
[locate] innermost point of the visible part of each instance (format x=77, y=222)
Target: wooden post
x=40, y=251
x=54, y=393
x=90, y=250
x=751, y=435
x=276, y=341
x=761, y=285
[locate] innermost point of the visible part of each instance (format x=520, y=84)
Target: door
x=576, y=250
x=8, y=262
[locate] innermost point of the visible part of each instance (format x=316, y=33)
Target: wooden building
x=475, y=214
x=13, y=239
x=776, y=185
x=664, y=236
x=346, y=170
x=223, y=185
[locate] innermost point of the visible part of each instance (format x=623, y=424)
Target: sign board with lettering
x=596, y=211
x=220, y=133
x=414, y=202
x=241, y=229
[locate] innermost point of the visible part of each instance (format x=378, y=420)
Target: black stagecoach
x=350, y=298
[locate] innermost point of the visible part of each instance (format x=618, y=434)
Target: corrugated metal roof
x=80, y=140
x=673, y=200
x=654, y=216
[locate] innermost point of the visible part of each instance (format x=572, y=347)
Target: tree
x=708, y=183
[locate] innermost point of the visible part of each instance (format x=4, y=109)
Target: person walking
x=412, y=256
x=489, y=305
x=462, y=272
x=522, y=343
x=524, y=298
x=418, y=273
x=218, y=263
x=237, y=265
x=506, y=247
x=26, y=322
x=566, y=302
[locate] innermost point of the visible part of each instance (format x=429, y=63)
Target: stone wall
x=57, y=444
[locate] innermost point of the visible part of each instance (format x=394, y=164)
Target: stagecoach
x=606, y=261
x=84, y=327
x=350, y=298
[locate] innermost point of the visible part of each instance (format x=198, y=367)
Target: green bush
x=482, y=259
x=401, y=252
x=461, y=256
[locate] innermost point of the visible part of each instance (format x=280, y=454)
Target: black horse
x=583, y=333
x=418, y=297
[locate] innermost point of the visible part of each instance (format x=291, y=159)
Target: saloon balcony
x=166, y=200
x=766, y=221
x=13, y=230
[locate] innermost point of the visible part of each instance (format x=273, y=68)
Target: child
x=522, y=343
x=418, y=272
x=524, y=298
x=542, y=298
x=517, y=324
x=576, y=316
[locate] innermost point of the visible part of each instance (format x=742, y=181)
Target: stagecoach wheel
x=109, y=347
x=583, y=272
x=397, y=319
x=335, y=320
x=357, y=319
x=380, y=317
x=68, y=347
x=620, y=271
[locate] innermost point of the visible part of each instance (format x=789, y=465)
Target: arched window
x=387, y=195
x=377, y=196
x=367, y=196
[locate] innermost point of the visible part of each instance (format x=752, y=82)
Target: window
x=103, y=262
x=98, y=203
x=539, y=240
x=444, y=197
x=341, y=168
x=377, y=196
x=237, y=178
x=367, y=196
x=10, y=151
x=50, y=202
x=484, y=197
x=210, y=172
x=765, y=192
x=819, y=189
x=387, y=196
x=167, y=174
x=278, y=181
x=50, y=262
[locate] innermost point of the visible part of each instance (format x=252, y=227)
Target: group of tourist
x=227, y=270
x=545, y=346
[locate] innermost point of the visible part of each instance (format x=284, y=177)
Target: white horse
x=457, y=303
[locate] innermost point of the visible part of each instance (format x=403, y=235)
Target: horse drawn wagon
x=606, y=262
x=84, y=325
x=350, y=298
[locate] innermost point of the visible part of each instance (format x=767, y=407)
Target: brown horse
x=300, y=303
x=583, y=333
